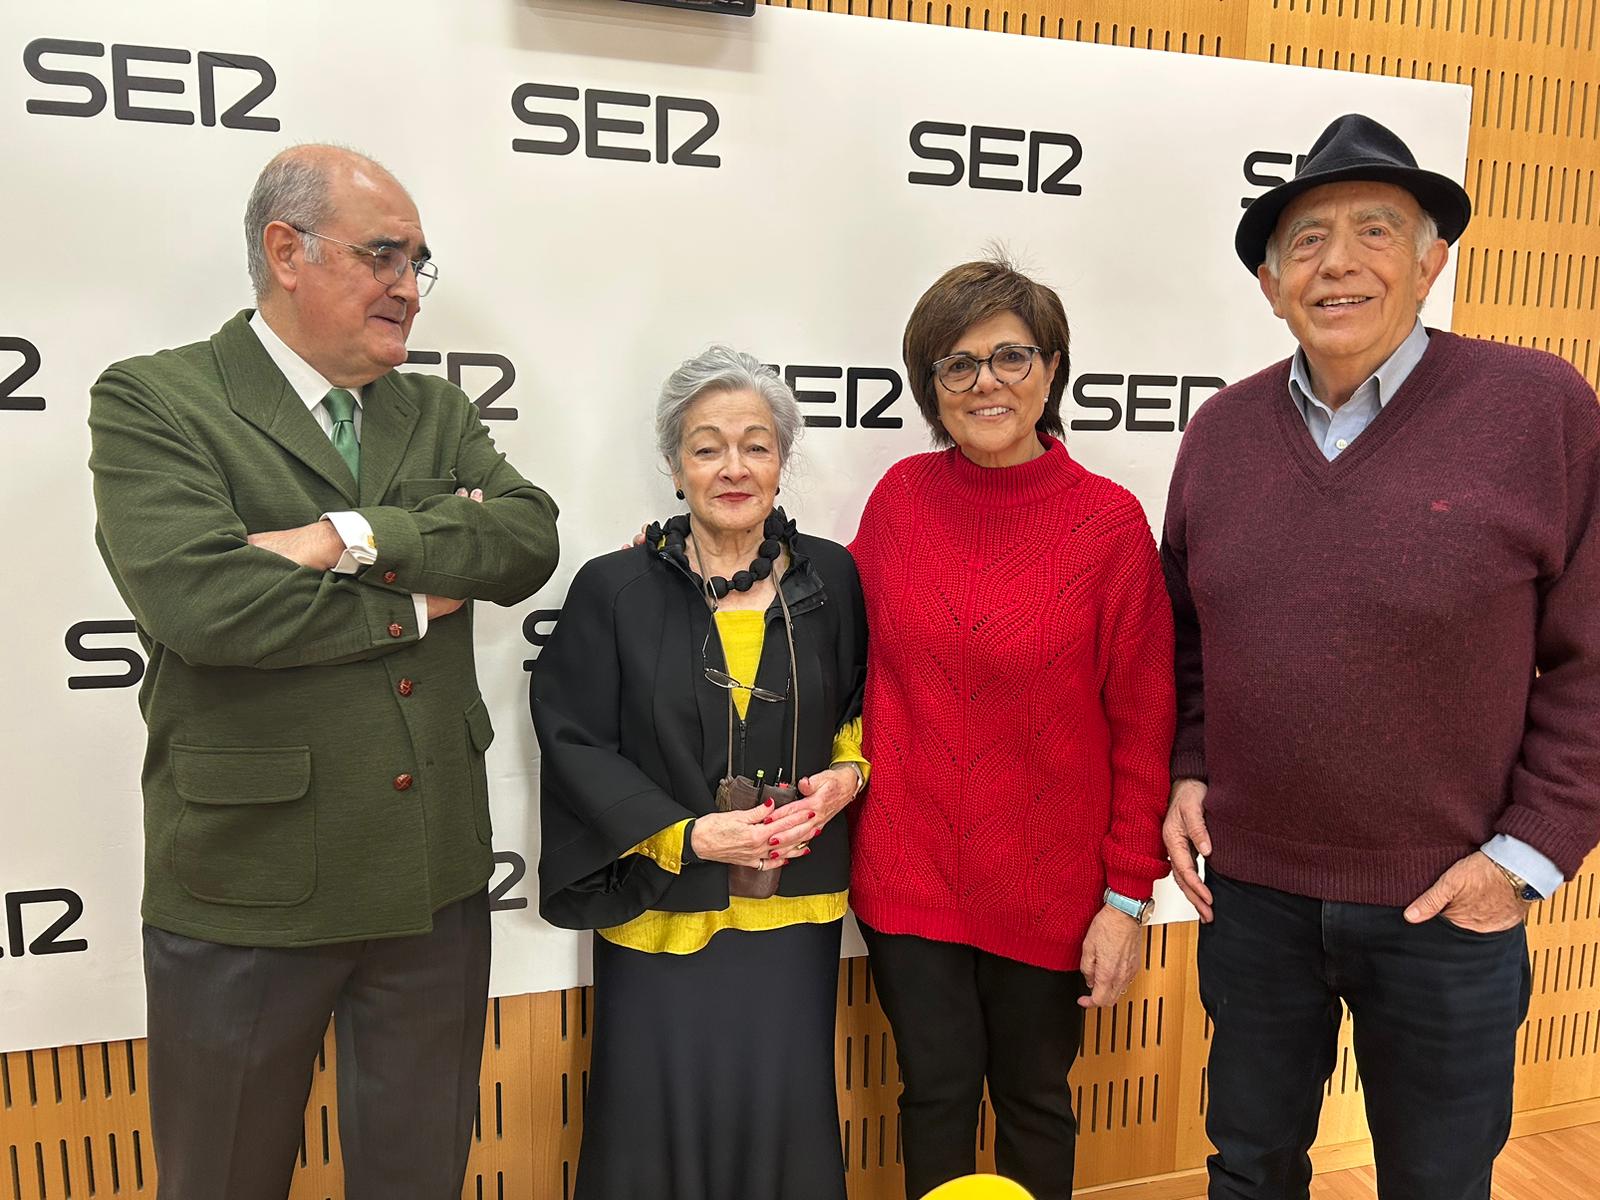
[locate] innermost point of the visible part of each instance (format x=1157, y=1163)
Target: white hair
x=721, y=369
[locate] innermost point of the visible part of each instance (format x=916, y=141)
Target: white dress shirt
x=360, y=547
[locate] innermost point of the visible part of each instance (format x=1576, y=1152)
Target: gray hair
x=292, y=188
x=1427, y=235
x=721, y=369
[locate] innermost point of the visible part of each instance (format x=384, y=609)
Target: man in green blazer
x=297, y=528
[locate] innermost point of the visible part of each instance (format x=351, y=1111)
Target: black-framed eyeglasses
x=389, y=264
x=1008, y=364
x=728, y=683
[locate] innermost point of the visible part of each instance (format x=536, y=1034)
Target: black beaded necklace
x=675, y=535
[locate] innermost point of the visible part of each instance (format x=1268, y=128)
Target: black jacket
x=634, y=738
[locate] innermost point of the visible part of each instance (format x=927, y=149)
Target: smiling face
x=728, y=461
x=994, y=423
x=1350, y=277
x=349, y=325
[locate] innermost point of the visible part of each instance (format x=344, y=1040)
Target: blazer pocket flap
x=414, y=491
x=241, y=774
x=479, y=728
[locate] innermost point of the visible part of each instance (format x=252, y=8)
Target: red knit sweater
x=1019, y=706
x=1385, y=659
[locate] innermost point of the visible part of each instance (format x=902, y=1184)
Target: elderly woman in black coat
x=698, y=712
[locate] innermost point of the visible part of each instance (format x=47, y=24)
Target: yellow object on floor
x=980, y=1187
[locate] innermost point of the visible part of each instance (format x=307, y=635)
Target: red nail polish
x=769, y=801
x=766, y=820
x=774, y=854
x=811, y=816
x=772, y=841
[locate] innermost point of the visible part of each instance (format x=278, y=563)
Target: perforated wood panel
x=73, y=1121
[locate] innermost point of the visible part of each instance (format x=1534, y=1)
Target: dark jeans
x=959, y=1015
x=234, y=1036
x=1435, y=1010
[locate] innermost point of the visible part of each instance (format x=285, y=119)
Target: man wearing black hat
x=1385, y=572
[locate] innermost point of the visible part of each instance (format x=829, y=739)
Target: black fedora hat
x=1354, y=147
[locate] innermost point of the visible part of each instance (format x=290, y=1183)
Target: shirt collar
x=305, y=379
x=1386, y=380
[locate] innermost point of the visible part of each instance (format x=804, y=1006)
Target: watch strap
x=1525, y=891
x=1139, y=910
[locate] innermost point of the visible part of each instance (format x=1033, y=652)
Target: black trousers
x=1435, y=1011
x=960, y=1016
x=234, y=1035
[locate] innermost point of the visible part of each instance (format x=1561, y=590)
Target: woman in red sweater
x=1018, y=715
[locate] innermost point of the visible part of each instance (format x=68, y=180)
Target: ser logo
x=681, y=125
x=126, y=84
x=500, y=899
x=859, y=383
x=1128, y=399
x=537, y=627
x=1051, y=157
x=458, y=361
x=132, y=661
x=26, y=370
x=46, y=939
x=1256, y=160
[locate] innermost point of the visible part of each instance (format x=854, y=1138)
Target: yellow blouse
x=742, y=634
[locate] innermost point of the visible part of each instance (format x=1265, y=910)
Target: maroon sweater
x=1358, y=640
x=1019, y=704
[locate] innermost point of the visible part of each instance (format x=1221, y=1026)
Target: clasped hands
x=1472, y=893
x=319, y=547
x=770, y=834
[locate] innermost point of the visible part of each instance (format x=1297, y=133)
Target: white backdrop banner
x=609, y=188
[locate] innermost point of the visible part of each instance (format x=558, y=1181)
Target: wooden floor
x=1564, y=1165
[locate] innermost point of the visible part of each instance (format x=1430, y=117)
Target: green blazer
x=315, y=769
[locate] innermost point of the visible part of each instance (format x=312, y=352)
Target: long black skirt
x=712, y=1072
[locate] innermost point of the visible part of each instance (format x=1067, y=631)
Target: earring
x=777, y=491
x=680, y=493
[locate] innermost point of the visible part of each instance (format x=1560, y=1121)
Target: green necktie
x=341, y=406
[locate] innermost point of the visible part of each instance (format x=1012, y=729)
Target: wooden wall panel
x=73, y=1120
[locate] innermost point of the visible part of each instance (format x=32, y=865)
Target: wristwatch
x=861, y=776
x=1140, y=910
x=1525, y=891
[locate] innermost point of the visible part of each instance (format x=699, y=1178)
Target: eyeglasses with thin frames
x=389, y=264
x=1008, y=364
x=727, y=682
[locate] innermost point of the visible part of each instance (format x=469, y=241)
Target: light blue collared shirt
x=1333, y=431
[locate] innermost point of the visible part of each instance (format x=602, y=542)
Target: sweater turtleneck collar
x=1037, y=479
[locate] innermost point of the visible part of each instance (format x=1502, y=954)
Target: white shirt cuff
x=420, y=602
x=360, y=547
x=1516, y=856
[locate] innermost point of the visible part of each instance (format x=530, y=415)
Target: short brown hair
x=964, y=296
